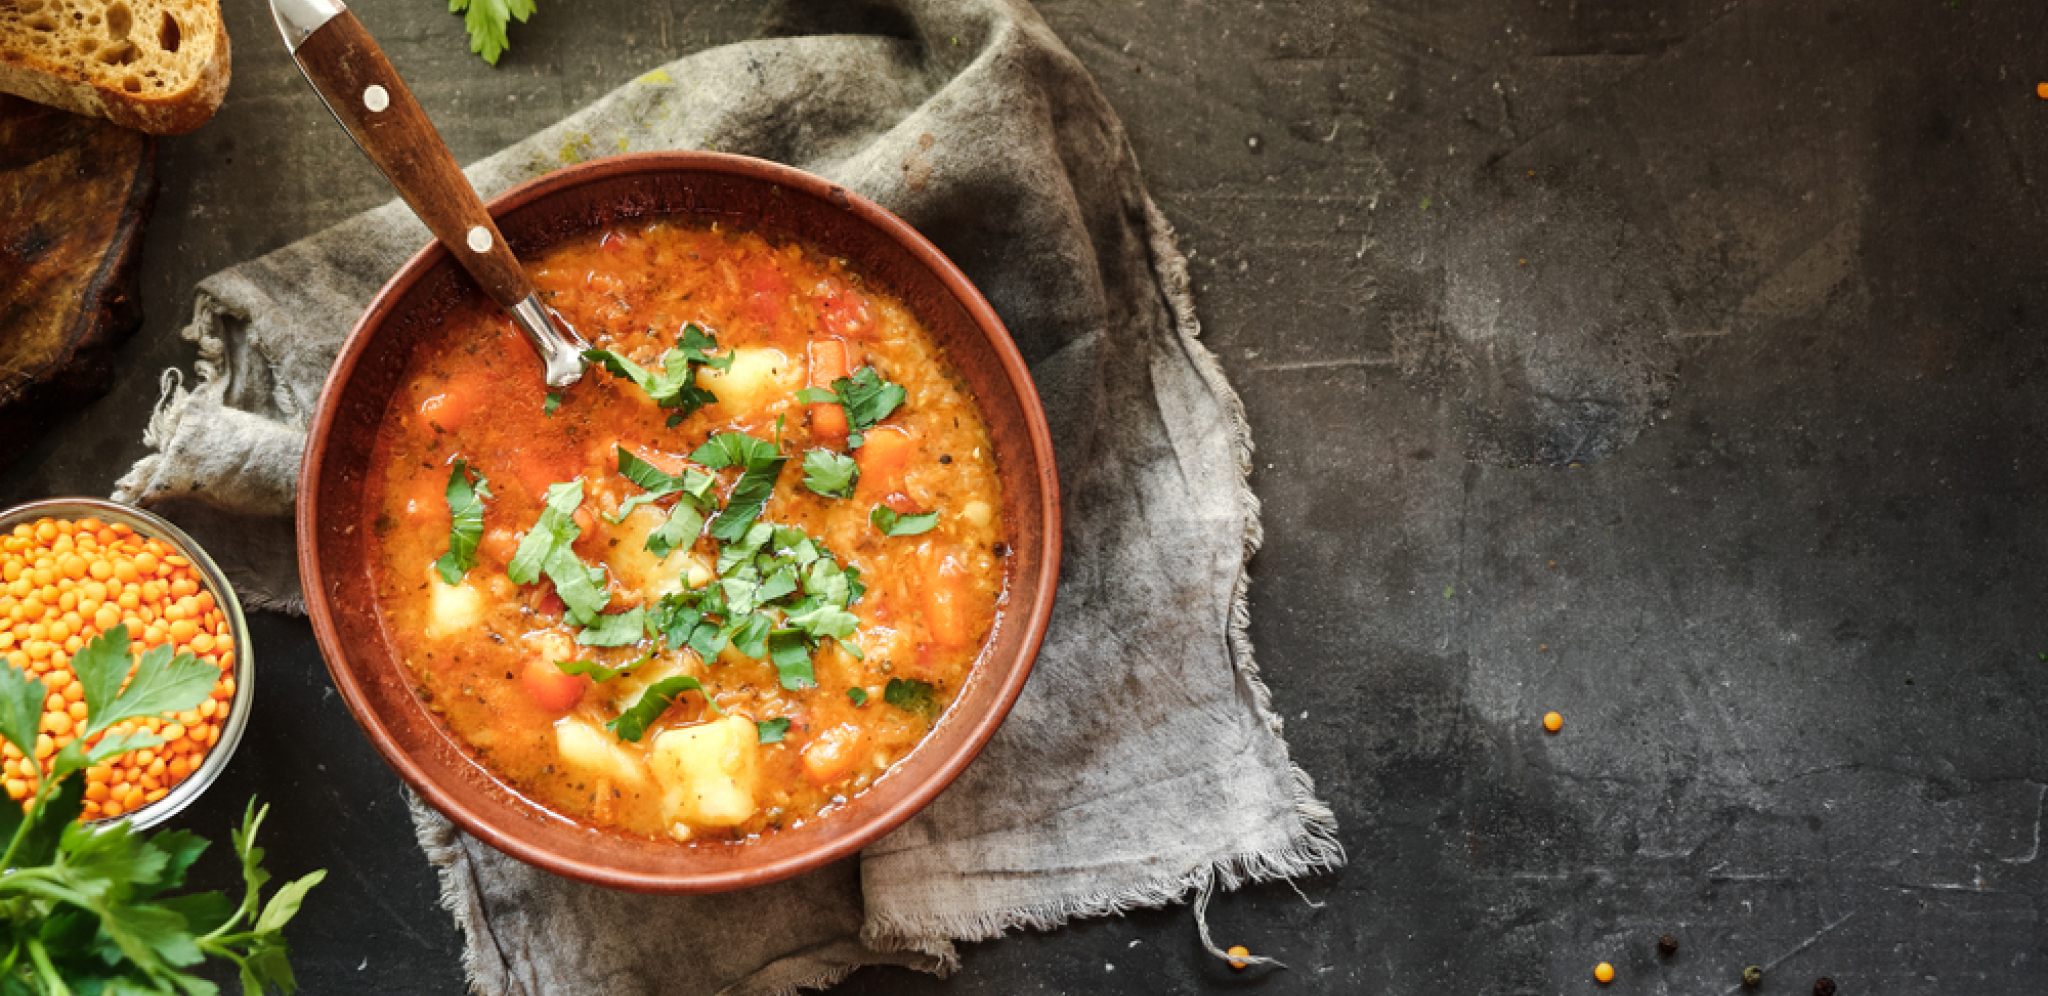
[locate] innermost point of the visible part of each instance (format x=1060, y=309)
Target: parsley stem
x=48, y=971
x=43, y=787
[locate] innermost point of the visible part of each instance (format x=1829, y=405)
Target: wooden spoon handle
x=372, y=103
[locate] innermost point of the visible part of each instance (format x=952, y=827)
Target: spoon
x=358, y=84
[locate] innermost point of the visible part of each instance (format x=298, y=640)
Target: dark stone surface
x=1668, y=364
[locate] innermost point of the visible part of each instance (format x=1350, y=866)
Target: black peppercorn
x=1753, y=976
x=1823, y=986
x=1667, y=945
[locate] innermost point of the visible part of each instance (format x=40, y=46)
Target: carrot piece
x=828, y=362
x=883, y=459
x=945, y=601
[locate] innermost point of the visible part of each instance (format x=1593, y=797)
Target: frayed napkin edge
x=1312, y=845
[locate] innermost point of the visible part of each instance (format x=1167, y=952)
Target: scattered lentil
x=1753, y=976
x=1553, y=721
x=1603, y=973
x=1236, y=952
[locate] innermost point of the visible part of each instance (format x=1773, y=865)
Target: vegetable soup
x=721, y=584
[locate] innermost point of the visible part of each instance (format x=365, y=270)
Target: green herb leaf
x=616, y=630
x=674, y=385
x=858, y=695
x=161, y=683
x=285, y=904
x=760, y=465
x=553, y=401
x=772, y=730
x=892, y=523
x=599, y=672
x=912, y=695
x=866, y=397
x=21, y=705
x=487, y=21
x=792, y=659
x=557, y=527
x=830, y=474
x=465, y=503
x=633, y=722
x=750, y=637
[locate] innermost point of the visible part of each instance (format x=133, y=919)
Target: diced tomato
x=548, y=603
x=844, y=312
x=613, y=241
x=767, y=296
x=828, y=362
x=552, y=690
x=901, y=504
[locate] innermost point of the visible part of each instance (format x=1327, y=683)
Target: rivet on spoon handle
x=360, y=87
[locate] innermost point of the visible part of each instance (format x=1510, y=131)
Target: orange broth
x=484, y=651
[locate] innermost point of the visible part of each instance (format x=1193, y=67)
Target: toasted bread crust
x=97, y=83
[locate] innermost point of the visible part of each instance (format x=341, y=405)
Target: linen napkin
x=1142, y=763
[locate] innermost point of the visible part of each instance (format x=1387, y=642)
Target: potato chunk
x=452, y=608
x=759, y=377
x=595, y=753
x=707, y=772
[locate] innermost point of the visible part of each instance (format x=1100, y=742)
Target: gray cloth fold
x=1142, y=762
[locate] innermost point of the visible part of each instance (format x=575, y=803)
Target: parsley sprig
x=487, y=21
x=760, y=463
x=779, y=594
x=867, y=398
x=86, y=908
x=549, y=548
x=674, y=383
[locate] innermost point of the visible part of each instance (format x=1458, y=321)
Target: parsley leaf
x=858, y=694
x=548, y=548
x=830, y=474
x=465, y=503
x=792, y=659
x=553, y=401
x=686, y=520
x=487, y=21
x=633, y=722
x=616, y=630
x=866, y=397
x=771, y=730
x=674, y=384
x=160, y=683
x=760, y=465
x=892, y=523
x=912, y=695
x=599, y=672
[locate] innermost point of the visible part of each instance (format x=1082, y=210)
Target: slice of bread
x=159, y=66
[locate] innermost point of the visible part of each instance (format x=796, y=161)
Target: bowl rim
x=1034, y=617
x=156, y=526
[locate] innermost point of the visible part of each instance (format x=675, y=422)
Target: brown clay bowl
x=335, y=563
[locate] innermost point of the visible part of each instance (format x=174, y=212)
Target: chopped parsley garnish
x=673, y=384
x=772, y=730
x=619, y=629
x=554, y=401
x=777, y=596
x=893, y=523
x=633, y=722
x=466, y=503
x=760, y=463
x=686, y=520
x=830, y=474
x=548, y=548
x=866, y=397
x=599, y=672
x=912, y=695
x=858, y=695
